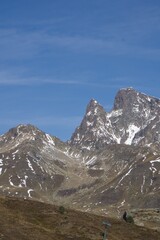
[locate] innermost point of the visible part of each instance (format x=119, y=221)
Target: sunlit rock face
x=134, y=119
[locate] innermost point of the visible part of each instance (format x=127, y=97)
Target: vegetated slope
x=26, y=219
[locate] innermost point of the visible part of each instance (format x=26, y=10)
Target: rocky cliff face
x=135, y=119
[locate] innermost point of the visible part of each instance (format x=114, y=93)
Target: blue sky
x=55, y=55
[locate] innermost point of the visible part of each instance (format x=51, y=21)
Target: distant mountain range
x=111, y=162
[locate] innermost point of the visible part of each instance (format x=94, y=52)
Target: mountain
x=34, y=164
x=111, y=163
x=134, y=120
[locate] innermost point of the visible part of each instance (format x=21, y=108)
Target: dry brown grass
x=26, y=220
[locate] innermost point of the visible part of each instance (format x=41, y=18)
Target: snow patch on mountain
x=143, y=183
x=29, y=192
x=10, y=181
x=50, y=140
x=153, y=161
x=23, y=182
x=30, y=165
x=115, y=113
x=124, y=177
x=132, y=130
x=91, y=161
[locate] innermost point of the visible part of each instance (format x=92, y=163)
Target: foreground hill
x=26, y=219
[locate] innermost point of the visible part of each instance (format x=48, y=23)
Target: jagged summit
x=124, y=98
x=134, y=116
x=91, y=127
x=21, y=133
x=21, y=129
x=127, y=97
x=93, y=102
x=93, y=107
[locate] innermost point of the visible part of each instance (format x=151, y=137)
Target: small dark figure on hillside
x=128, y=218
x=125, y=216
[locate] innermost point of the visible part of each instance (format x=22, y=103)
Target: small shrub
x=102, y=234
x=61, y=209
x=130, y=219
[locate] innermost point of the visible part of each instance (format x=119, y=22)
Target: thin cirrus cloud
x=110, y=37
x=16, y=44
x=11, y=78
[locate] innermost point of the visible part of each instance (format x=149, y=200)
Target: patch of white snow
x=123, y=177
x=30, y=165
x=132, y=130
x=15, y=152
x=29, y=192
x=142, y=186
x=50, y=140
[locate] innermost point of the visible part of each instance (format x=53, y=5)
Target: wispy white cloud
x=12, y=78
x=114, y=36
x=124, y=38
x=8, y=77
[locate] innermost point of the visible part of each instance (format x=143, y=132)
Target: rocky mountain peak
x=94, y=109
x=21, y=131
x=93, y=103
x=133, y=117
x=24, y=136
x=91, y=127
x=125, y=98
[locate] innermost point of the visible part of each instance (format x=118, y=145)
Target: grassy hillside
x=26, y=220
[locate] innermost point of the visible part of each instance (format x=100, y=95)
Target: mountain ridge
x=93, y=172
x=132, y=113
